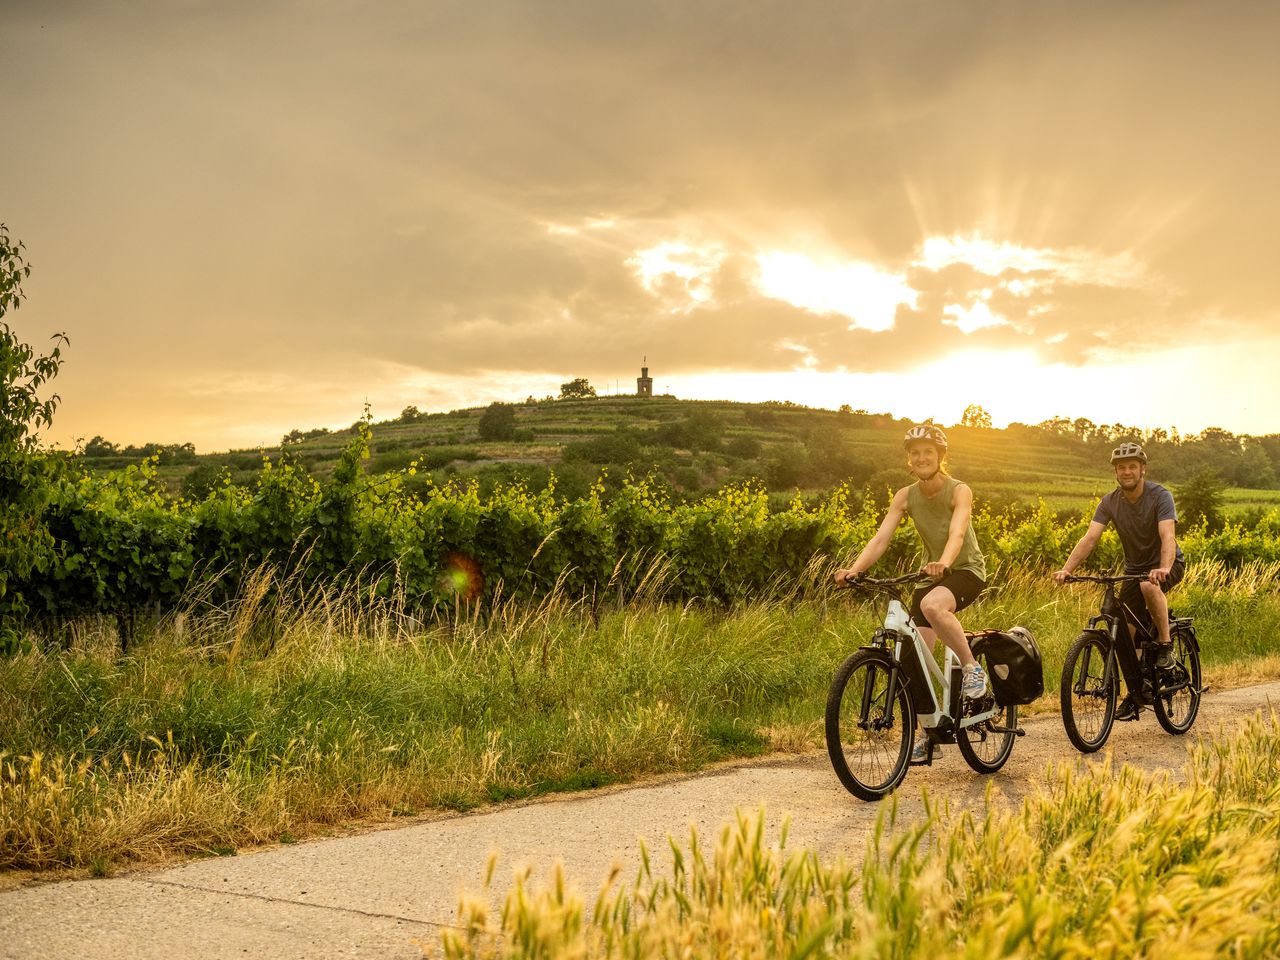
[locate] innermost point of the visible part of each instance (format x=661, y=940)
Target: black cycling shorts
x=964, y=586
x=1131, y=595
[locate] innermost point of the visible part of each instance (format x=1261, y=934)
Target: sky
x=251, y=217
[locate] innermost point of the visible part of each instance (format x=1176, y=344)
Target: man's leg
x=1127, y=649
x=1158, y=606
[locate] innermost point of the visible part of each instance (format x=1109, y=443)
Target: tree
x=704, y=430
x=701, y=430
x=579, y=389
x=975, y=416
x=410, y=414
x=498, y=422
x=1086, y=430
x=25, y=474
x=623, y=446
x=298, y=436
x=1253, y=468
x=99, y=446
x=1199, y=500
x=1219, y=438
x=201, y=480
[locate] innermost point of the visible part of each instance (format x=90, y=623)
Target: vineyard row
x=120, y=544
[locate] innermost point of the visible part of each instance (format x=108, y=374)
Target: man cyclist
x=1145, y=518
x=940, y=507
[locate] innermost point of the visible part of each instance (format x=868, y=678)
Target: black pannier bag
x=1013, y=664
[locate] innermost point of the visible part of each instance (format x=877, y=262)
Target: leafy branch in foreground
x=25, y=542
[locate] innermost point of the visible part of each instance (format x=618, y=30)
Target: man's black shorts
x=965, y=586
x=1131, y=595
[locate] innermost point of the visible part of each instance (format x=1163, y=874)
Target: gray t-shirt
x=1138, y=524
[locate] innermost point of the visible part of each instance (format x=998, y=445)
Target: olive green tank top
x=932, y=517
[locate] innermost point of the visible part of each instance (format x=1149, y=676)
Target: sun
x=868, y=295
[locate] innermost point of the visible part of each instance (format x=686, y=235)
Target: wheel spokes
x=872, y=739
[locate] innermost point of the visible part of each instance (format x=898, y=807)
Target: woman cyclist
x=940, y=506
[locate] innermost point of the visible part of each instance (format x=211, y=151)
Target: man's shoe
x=1164, y=656
x=973, y=683
x=1128, y=708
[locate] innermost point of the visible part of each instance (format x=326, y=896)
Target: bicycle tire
x=869, y=726
x=1176, y=711
x=984, y=748
x=1087, y=696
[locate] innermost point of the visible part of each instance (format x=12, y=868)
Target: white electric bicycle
x=880, y=693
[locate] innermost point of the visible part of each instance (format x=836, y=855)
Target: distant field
x=1061, y=494
x=1237, y=499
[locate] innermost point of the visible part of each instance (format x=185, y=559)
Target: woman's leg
x=939, y=608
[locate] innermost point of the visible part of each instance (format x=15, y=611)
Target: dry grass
x=289, y=710
x=1101, y=863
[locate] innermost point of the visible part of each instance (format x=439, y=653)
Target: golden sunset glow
x=1045, y=209
x=680, y=274
x=998, y=257
x=868, y=296
x=975, y=317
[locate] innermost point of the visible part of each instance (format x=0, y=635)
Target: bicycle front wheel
x=986, y=746
x=869, y=725
x=1178, y=699
x=1090, y=683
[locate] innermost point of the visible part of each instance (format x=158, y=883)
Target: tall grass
x=288, y=710
x=1098, y=864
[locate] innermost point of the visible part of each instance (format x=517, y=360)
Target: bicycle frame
x=1112, y=620
x=924, y=676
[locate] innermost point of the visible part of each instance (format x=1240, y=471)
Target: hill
x=699, y=446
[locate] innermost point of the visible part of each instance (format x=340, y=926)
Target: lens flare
x=462, y=577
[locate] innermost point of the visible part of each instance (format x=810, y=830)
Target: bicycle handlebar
x=1093, y=578
x=916, y=576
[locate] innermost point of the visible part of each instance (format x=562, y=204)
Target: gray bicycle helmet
x=926, y=431
x=1129, y=451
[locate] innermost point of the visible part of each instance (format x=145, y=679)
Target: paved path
x=387, y=892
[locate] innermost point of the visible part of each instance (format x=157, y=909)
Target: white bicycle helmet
x=1129, y=451
x=926, y=431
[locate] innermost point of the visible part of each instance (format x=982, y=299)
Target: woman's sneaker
x=973, y=682
x=920, y=752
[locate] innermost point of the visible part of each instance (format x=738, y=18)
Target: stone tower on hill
x=644, y=382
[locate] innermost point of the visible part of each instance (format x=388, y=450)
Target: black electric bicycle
x=881, y=692
x=1102, y=654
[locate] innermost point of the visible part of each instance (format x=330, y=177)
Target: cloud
x=559, y=189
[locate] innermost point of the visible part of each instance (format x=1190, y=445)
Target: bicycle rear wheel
x=1090, y=683
x=986, y=746
x=868, y=725
x=1178, y=699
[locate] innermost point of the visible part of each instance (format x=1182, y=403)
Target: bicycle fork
x=868, y=689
